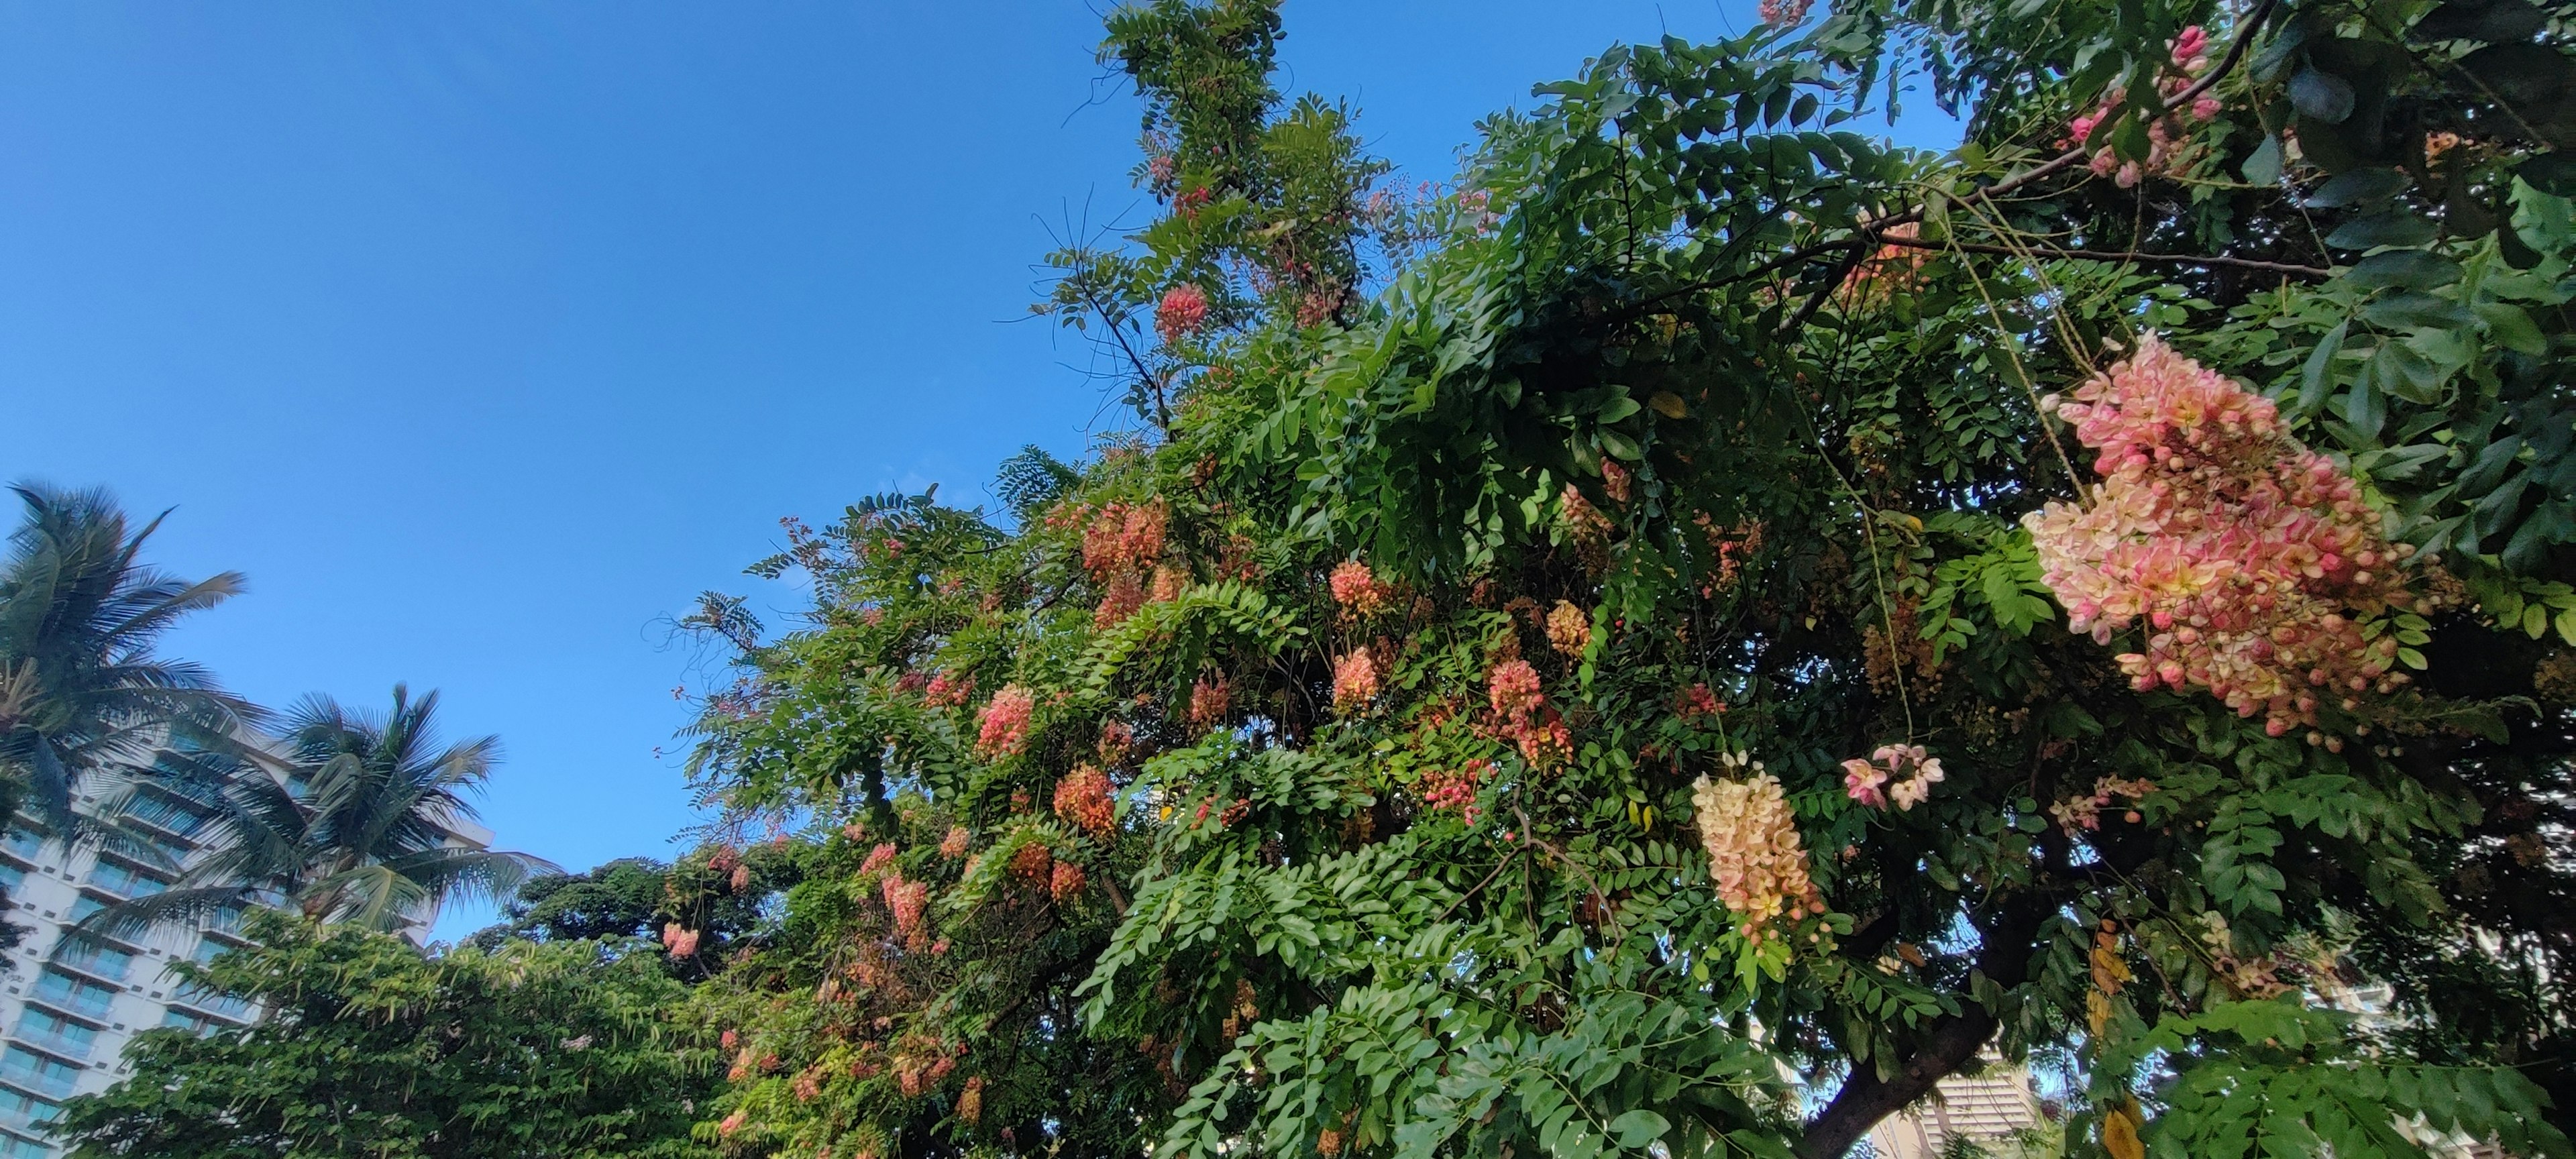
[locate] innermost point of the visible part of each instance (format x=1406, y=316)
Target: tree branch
x=1865, y=1098
x=2211, y=260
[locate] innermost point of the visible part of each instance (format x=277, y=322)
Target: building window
x=19, y=1109
x=56, y=1033
x=78, y=995
x=13, y=1147
x=99, y=962
x=123, y=881
x=25, y=843
x=26, y=1068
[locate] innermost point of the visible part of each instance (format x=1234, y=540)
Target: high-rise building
x=67, y=1013
x=1989, y=1109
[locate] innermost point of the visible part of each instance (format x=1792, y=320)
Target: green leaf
x=2263, y=166
x=1638, y=1128
x=2316, y=376
x=2358, y=187
x=2413, y=269
x=2321, y=95
x=2389, y=227
x=2491, y=21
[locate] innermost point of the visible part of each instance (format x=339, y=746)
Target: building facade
x=67, y=1014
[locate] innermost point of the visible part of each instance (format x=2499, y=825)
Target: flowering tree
x=1709, y=598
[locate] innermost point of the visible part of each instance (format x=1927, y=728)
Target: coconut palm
x=81, y=691
x=343, y=817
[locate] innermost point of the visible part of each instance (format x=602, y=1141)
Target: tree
x=347, y=821
x=81, y=690
x=370, y=1049
x=701, y=908
x=1736, y=599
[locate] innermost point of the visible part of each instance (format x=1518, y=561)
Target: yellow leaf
x=2120, y=1132
x=1667, y=404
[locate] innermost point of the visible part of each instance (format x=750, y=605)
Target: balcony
x=37, y=1073
x=25, y=1111
x=223, y=1006
x=57, y=1035
x=74, y=996
x=122, y=882
x=98, y=962
x=23, y=844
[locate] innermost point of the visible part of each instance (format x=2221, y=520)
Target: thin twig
x=2291, y=268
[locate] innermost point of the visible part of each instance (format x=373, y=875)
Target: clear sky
x=483, y=336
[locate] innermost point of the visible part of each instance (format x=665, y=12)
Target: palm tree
x=344, y=818
x=80, y=689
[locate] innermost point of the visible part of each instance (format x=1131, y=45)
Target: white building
x=65, y=1018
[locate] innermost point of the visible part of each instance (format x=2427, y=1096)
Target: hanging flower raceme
x=953, y=846
x=1082, y=798
x=1569, y=630
x=1754, y=851
x=2251, y=559
x=1183, y=310
x=1899, y=773
x=1065, y=880
x=679, y=941
x=1209, y=698
x=945, y=691
x=1357, y=589
x=1125, y=537
x=1354, y=681
x=906, y=901
x=1006, y=722
x=1513, y=688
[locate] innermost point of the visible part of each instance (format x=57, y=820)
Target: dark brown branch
x=1833, y=281
x=1865, y=1098
x=2211, y=260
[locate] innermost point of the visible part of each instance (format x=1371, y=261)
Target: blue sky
x=482, y=337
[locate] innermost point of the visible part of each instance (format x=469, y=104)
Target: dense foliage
x=370, y=1048
x=1713, y=598
x=719, y=896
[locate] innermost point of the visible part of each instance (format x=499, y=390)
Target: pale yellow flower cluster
x=1754, y=851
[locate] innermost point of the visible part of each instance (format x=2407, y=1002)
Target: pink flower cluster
x=954, y=845
x=1697, y=702
x=1124, y=536
x=1616, y=482
x=1513, y=688
x=1444, y=789
x=1354, y=681
x=1357, y=589
x=1082, y=797
x=1209, y=698
x=1754, y=851
x=906, y=900
x=1006, y=722
x=1065, y=880
x=678, y=940
x=945, y=691
x=878, y=858
x=1125, y=594
x=1784, y=13
x=1899, y=773
x=1524, y=717
x=2187, y=57
x=2085, y=812
x=1183, y=311
x=2251, y=558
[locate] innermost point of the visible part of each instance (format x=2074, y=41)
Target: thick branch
x=1865, y=1098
